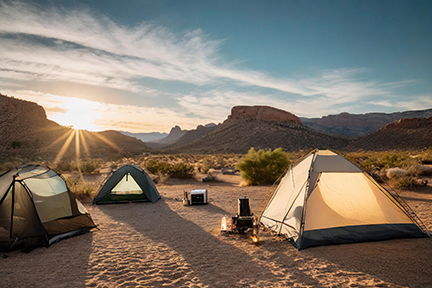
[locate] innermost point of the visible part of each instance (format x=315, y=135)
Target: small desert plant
x=406, y=181
x=207, y=164
x=9, y=165
x=263, y=167
x=85, y=166
x=178, y=170
x=80, y=188
x=182, y=171
x=420, y=170
x=155, y=167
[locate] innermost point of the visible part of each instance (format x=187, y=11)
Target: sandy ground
x=168, y=244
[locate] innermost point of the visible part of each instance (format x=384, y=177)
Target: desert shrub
x=9, y=165
x=85, y=166
x=220, y=162
x=263, y=167
x=406, y=181
x=425, y=157
x=373, y=162
x=178, y=170
x=155, y=167
x=206, y=165
x=420, y=170
x=63, y=165
x=16, y=144
x=182, y=171
x=81, y=188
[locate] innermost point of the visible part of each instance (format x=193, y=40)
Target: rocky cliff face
x=21, y=122
x=359, y=124
x=265, y=113
x=403, y=134
x=240, y=135
x=26, y=132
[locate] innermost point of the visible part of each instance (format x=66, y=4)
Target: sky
x=148, y=65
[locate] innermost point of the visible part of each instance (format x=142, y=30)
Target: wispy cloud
x=419, y=102
x=86, y=47
x=50, y=44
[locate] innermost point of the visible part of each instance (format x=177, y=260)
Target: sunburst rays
x=82, y=139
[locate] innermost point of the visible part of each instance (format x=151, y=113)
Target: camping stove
x=244, y=219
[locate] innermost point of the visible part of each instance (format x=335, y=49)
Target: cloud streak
x=84, y=47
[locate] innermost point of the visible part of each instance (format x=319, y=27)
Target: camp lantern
x=255, y=230
x=224, y=227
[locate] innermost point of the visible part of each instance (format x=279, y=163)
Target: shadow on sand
x=63, y=264
x=405, y=262
x=215, y=262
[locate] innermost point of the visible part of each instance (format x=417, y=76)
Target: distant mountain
x=359, y=124
x=27, y=133
x=193, y=135
x=146, y=137
x=403, y=134
x=239, y=133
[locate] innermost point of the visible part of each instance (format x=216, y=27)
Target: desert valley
x=168, y=244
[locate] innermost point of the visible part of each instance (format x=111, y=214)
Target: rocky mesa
x=265, y=113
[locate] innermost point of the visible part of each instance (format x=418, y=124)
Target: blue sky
x=143, y=66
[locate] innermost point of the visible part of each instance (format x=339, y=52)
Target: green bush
x=80, y=188
x=206, y=165
x=155, y=167
x=85, y=166
x=178, y=170
x=63, y=165
x=263, y=167
x=182, y=171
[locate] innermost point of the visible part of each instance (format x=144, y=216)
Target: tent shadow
x=216, y=263
x=405, y=262
x=63, y=264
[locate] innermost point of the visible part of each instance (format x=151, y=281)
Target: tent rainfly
x=325, y=199
x=129, y=183
x=37, y=208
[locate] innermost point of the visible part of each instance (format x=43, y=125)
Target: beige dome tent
x=325, y=199
x=37, y=208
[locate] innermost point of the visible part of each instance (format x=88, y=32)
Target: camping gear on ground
x=325, y=199
x=224, y=226
x=198, y=196
x=185, y=198
x=37, y=208
x=255, y=230
x=127, y=184
x=244, y=219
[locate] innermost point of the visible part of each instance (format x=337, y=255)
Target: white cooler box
x=198, y=196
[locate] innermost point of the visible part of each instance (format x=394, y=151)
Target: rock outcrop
x=403, y=134
x=26, y=132
x=265, y=113
x=260, y=127
x=359, y=124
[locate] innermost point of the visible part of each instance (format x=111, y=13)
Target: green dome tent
x=325, y=199
x=129, y=183
x=37, y=208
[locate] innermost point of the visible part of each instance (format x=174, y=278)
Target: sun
x=79, y=115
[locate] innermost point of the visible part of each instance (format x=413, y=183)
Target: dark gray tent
x=37, y=208
x=129, y=183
